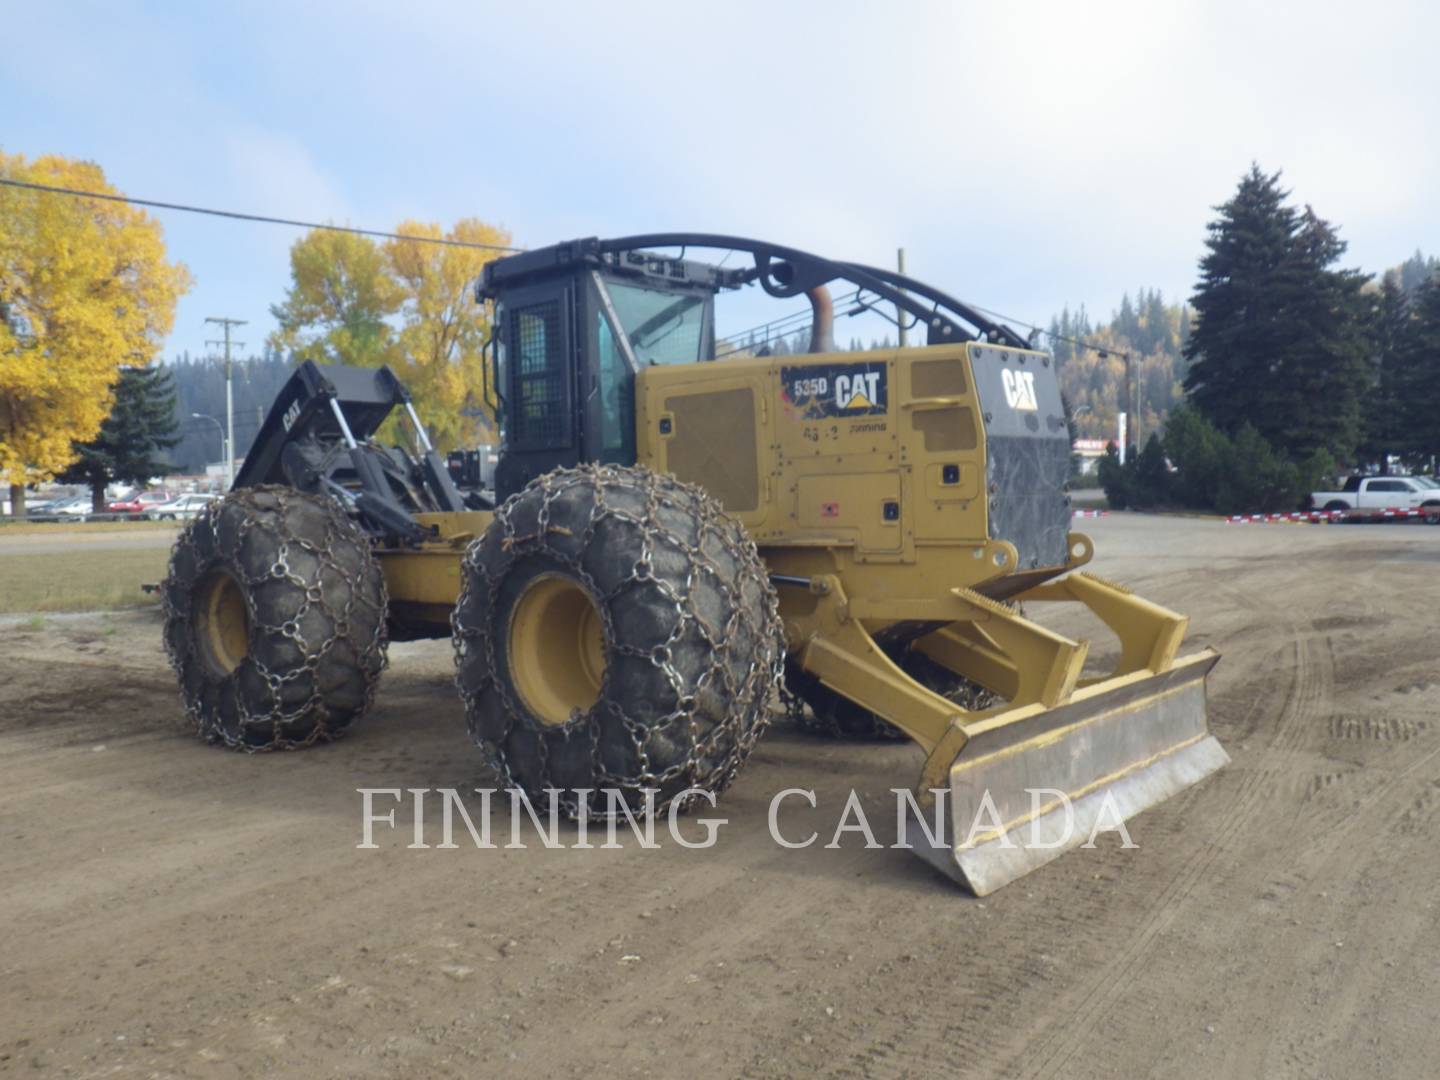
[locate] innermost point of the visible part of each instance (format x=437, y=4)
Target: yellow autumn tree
x=408, y=304
x=85, y=289
x=340, y=304
x=444, y=329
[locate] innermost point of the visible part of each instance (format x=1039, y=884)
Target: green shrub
x=1150, y=479
x=1114, y=479
x=1240, y=475
x=1199, y=453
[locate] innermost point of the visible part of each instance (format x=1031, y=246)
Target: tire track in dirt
x=1311, y=681
x=1296, y=736
x=935, y=1042
x=1310, y=863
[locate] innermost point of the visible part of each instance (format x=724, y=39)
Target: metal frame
x=781, y=271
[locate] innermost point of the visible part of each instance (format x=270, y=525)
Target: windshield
x=664, y=327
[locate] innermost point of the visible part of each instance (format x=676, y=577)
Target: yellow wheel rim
x=557, y=649
x=222, y=623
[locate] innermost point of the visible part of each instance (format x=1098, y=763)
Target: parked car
x=73, y=506
x=1380, y=493
x=182, y=508
x=139, y=504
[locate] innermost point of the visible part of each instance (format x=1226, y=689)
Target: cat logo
x=857, y=391
x=1020, y=390
x=291, y=415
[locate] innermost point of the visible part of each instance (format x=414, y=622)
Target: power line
x=239, y=216
x=780, y=326
x=1079, y=343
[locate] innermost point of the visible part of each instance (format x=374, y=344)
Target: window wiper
x=664, y=315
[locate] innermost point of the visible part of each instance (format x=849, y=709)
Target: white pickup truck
x=1380, y=493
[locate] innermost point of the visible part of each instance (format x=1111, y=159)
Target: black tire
x=274, y=619
x=1336, y=504
x=838, y=717
x=686, y=637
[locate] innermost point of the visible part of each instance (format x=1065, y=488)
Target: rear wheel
x=616, y=629
x=1336, y=504
x=274, y=619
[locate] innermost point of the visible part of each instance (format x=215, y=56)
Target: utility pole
x=899, y=311
x=1134, y=435
x=226, y=324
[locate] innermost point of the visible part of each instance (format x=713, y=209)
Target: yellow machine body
x=870, y=492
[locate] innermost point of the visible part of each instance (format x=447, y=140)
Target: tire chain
x=217, y=538
x=749, y=697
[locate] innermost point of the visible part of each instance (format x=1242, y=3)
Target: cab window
x=663, y=327
x=616, y=390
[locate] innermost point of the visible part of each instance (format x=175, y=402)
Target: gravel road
x=173, y=909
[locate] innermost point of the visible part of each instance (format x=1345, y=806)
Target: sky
x=1026, y=156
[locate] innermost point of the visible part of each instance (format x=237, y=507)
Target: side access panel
x=867, y=453
x=1028, y=452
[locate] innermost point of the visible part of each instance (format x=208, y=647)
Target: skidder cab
x=678, y=532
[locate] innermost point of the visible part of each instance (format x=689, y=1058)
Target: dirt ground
x=169, y=908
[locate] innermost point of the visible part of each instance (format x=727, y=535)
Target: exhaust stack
x=822, y=329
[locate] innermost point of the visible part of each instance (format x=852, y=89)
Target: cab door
x=540, y=381
x=607, y=381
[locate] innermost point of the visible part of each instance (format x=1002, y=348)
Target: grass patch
x=10, y=527
x=99, y=580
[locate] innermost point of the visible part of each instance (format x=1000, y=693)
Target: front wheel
x=274, y=619
x=616, y=629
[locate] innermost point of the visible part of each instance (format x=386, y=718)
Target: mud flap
x=1034, y=783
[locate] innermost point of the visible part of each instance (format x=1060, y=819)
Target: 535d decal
x=834, y=390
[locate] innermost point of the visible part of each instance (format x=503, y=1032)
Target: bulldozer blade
x=1031, y=785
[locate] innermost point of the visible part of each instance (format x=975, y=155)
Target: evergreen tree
x=1234, y=339
x=1278, y=342
x=1419, y=376
x=1151, y=483
x=1386, y=432
x=1324, y=372
x=141, y=422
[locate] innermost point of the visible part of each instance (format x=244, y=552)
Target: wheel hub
x=222, y=622
x=556, y=649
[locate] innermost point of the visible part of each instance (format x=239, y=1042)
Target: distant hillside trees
x=1092, y=374
x=200, y=388
x=1414, y=272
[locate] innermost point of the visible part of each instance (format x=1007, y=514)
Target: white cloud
x=1025, y=155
